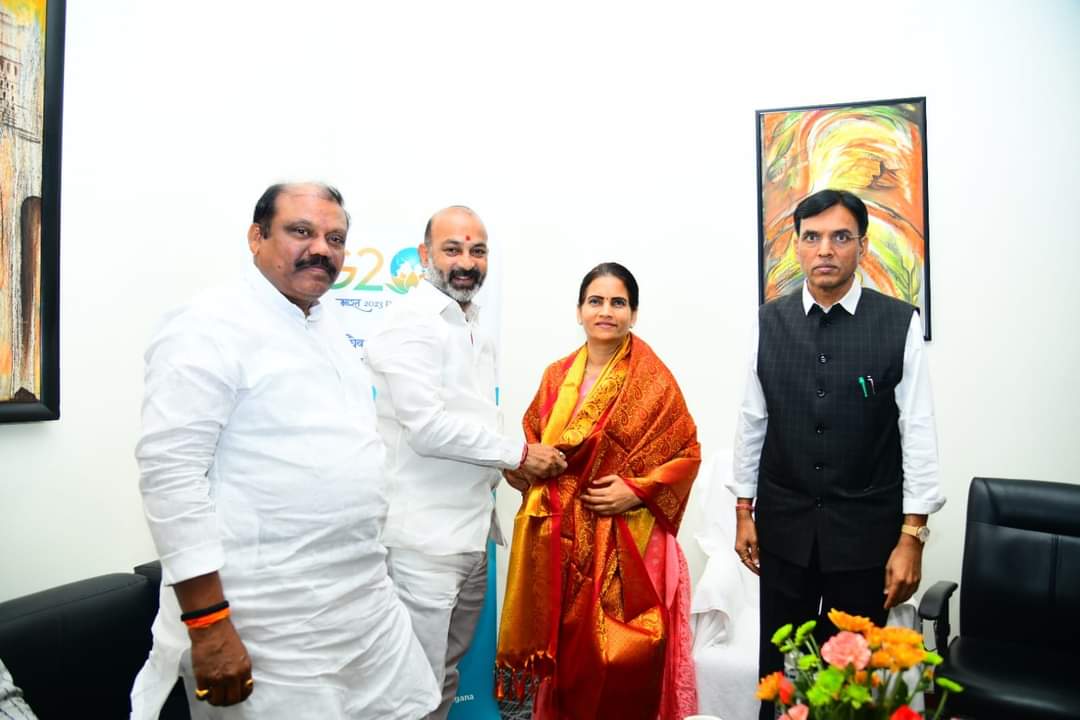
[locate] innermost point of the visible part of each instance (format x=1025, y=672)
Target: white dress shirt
x=259, y=460
x=435, y=380
x=918, y=432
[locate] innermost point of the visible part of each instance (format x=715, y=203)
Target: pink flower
x=846, y=648
x=905, y=713
x=796, y=712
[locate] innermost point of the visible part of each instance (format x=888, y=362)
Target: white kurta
x=434, y=369
x=259, y=459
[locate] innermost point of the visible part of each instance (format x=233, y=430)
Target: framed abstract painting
x=31, y=92
x=876, y=150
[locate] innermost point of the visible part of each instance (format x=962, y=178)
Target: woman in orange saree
x=595, y=622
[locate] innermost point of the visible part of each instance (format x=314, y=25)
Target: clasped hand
x=541, y=463
x=609, y=495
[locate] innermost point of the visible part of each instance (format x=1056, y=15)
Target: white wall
x=581, y=132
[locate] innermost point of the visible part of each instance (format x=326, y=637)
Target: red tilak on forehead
x=466, y=238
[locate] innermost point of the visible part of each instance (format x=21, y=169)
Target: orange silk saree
x=594, y=621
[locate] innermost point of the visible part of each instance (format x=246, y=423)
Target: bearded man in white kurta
x=434, y=372
x=261, y=474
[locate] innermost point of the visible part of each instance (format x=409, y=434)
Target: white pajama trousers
x=444, y=595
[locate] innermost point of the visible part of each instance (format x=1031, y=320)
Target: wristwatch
x=920, y=532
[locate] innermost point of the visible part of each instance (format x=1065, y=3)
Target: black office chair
x=1020, y=606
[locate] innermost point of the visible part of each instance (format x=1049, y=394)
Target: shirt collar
x=267, y=293
x=849, y=302
x=438, y=301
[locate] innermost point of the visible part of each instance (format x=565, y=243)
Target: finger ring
x=250, y=682
x=201, y=694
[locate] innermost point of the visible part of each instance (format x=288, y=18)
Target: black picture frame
x=45, y=405
x=914, y=111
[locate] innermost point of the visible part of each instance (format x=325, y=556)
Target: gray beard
x=441, y=280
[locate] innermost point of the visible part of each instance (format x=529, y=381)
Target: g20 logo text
x=362, y=271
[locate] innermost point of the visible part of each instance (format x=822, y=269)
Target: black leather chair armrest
x=935, y=606
x=75, y=649
x=151, y=571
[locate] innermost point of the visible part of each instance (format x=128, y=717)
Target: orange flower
x=860, y=677
x=851, y=623
x=873, y=638
x=881, y=659
x=769, y=687
x=776, y=685
x=901, y=636
x=906, y=656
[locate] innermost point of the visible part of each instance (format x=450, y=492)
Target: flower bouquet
x=858, y=674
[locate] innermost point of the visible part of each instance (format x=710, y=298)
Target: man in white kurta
x=434, y=372
x=261, y=473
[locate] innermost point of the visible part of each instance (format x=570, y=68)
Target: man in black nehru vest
x=835, y=439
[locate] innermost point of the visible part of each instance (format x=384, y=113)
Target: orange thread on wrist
x=207, y=620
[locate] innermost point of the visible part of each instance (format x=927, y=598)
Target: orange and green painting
x=875, y=150
x=22, y=83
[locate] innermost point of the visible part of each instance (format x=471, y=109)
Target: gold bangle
x=201, y=694
x=250, y=682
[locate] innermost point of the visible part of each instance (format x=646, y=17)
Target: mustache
x=459, y=274
x=318, y=261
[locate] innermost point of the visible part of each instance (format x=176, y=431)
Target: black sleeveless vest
x=830, y=469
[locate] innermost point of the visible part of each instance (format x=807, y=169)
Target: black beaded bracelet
x=196, y=614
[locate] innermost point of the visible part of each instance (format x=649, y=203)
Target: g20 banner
x=368, y=284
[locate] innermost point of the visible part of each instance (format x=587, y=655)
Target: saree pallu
x=595, y=618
